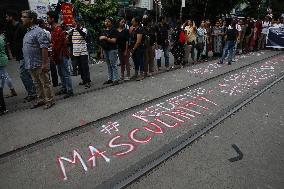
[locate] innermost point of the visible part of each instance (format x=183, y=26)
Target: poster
x=275, y=37
x=67, y=13
x=41, y=7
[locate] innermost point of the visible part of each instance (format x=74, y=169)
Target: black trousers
x=83, y=65
x=54, y=74
x=2, y=102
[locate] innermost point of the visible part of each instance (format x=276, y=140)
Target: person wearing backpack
x=149, y=40
x=179, y=39
x=78, y=36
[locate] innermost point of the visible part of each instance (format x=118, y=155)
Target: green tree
x=94, y=15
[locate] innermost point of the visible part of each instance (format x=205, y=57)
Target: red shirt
x=59, y=44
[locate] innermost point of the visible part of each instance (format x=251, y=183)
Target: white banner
x=40, y=7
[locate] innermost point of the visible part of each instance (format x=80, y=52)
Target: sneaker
x=2, y=112
x=168, y=69
x=139, y=78
x=68, y=95
x=234, y=60
x=229, y=63
x=108, y=82
x=219, y=62
x=87, y=85
x=61, y=92
x=126, y=79
x=115, y=83
x=134, y=77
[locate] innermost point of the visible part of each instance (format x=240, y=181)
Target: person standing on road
x=35, y=51
x=108, y=42
x=162, y=39
x=231, y=38
x=262, y=39
x=3, y=63
x=60, y=54
x=202, y=42
x=123, y=52
x=80, y=52
x=16, y=32
x=191, y=33
x=179, y=39
x=137, y=48
x=149, y=42
x=217, y=34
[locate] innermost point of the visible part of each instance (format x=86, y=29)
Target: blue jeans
x=5, y=78
x=27, y=79
x=111, y=59
x=138, y=59
x=229, y=47
x=166, y=55
x=65, y=77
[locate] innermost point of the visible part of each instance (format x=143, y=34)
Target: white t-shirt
x=265, y=26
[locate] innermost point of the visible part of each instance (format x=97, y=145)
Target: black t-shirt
x=133, y=36
x=111, y=33
x=162, y=34
x=232, y=34
x=122, y=38
x=149, y=35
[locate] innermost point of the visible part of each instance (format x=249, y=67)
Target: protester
x=231, y=38
x=35, y=51
x=60, y=54
x=202, y=42
x=178, y=39
x=191, y=33
x=262, y=39
x=80, y=52
x=16, y=32
x=3, y=73
x=149, y=41
x=108, y=42
x=162, y=35
x=217, y=35
x=137, y=48
x=52, y=65
x=123, y=51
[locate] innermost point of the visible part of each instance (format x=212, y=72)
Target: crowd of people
x=44, y=50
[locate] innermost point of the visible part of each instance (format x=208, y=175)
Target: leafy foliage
x=94, y=15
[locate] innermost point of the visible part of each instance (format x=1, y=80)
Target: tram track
x=181, y=144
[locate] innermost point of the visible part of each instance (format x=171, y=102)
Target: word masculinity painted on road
x=173, y=113
x=170, y=114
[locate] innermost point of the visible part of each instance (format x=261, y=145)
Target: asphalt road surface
x=106, y=137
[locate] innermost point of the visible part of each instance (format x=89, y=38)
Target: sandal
x=48, y=105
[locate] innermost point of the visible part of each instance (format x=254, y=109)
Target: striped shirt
x=79, y=43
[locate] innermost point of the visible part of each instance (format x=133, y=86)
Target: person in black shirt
x=108, y=43
x=231, y=38
x=137, y=48
x=15, y=35
x=149, y=41
x=162, y=36
x=123, y=53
